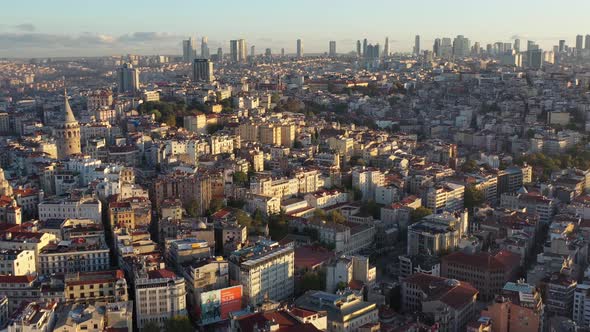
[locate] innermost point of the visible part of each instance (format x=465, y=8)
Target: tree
x=170, y=119
x=419, y=213
x=473, y=197
x=469, y=166
x=178, y=324
x=336, y=217
x=258, y=217
x=371, y=208
x=312, y=281
x=240, y=178
x=236, y=203
x=213, y=128
x=278, y=226
x=244, y=219
x=357, y=161
x=150, y=327
x=319, y=213
x=157, y=115
x=193, y=208
x=215, y=205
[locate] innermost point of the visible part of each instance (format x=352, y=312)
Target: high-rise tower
x=359, y=52
x=205, y=48
x=332, y=50
x=188, y=50
x=67, y=133
x=237, y=50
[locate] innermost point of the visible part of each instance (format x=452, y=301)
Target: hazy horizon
x=63, y=28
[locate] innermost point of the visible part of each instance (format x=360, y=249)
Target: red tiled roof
x=157, y=274
x=285, y=321
x=484, y=260
x=455, y=295
x=459, y=296
x=7, y=279
x=302, y=313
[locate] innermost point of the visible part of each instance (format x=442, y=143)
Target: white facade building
x=266, y=268
x=159, y=295
x=87, y=208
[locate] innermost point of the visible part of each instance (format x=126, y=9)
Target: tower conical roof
x=69, y=117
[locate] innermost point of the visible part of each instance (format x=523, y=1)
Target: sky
x=53, y=28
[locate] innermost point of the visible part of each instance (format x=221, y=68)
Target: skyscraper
x=237, y=50
x=268, y=53
x=204, y=48
x=536, y=59
x=188, y=50
x=446, y=48
x=375, y=52
x=365, y=44
x=127, y=78
x=68, y=133
x=562, y=45
x=436, y=47
x=283, y=52
x=358, y=49
x=299, y=48
x=461, y=46
x=579, y=43
x=219, y=54
x=529, y=45
x=517, y=45
x=332, y=51
x=203, y=70
x=476, y=48
x=386, y=47
x=587, y=42
x=417, y=45
x=253, y=51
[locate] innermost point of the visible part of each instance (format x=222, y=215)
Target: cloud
x=536, y=38
x=25, y=44
x=143, y=37
x=28, y=27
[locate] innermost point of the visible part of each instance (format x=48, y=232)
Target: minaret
x=67, y=133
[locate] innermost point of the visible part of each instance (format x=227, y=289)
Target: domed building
x=68, y=133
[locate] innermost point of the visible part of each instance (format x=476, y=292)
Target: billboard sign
x=217, y=304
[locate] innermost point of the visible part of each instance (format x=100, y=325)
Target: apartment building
x=437, y=233
x=518, y=307
x=446, y=196
x=159, y=295
x=450, y=302
x=343, y=270
x=325, y=198
x=203, y=276
x=347, y=312
x=367, y=180
x=265, y=269
x=486, y=272
x=107, y=285
x=85, y=208
x=77, y=255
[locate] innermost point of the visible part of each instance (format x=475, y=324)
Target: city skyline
x=36, y=29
